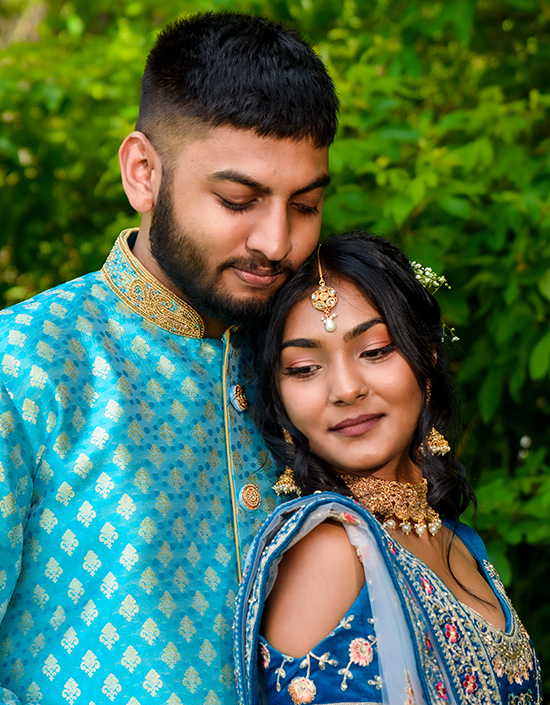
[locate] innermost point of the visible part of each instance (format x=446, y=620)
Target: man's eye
x=307, y=210
x=232, y=206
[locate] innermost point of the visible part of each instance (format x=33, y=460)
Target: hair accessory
x=324, y=299
x=433, y=282
x=286, y=484
x=436, y=443
x=428, y=393
x=402, y=505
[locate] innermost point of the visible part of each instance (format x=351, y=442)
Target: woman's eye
x=304, y=371
x=378, y=353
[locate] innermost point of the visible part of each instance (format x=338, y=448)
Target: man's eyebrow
x=301, y=343
x=362, y=328
x=236, y=177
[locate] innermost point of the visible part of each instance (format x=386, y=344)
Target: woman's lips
x=357, y=426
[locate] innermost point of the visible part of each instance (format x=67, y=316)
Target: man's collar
x=145, y=295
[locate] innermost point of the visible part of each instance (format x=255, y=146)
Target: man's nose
x=271, y=235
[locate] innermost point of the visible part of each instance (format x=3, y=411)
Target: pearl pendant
x=390, y=524
x=330, y=325
x=405, y=528
x=420, y=529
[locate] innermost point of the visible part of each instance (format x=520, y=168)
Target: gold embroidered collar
x=145, y=295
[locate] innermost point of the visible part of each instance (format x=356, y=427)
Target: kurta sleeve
x=16, y=463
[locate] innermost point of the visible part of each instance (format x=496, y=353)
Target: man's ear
x=141, y=171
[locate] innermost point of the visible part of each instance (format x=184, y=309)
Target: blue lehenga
x=406, y=640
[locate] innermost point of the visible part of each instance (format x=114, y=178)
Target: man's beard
x=183, y=262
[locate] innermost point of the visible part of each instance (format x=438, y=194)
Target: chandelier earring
x=286, y=484
x=436, y=443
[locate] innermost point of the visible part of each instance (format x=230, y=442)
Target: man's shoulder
x=55, y=308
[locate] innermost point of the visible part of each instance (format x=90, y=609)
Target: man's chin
x=238, y=311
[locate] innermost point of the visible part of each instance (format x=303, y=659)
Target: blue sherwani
x=132, y=478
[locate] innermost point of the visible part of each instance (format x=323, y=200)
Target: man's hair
x=223, y=68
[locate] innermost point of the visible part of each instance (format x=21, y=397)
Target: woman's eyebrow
x=362, y=328
x=301, y=343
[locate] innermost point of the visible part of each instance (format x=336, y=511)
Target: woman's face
x=350, y=391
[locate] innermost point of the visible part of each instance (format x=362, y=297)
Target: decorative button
x=238, y=398
x=250, y=497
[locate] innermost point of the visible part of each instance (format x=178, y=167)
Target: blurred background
x=443, y=146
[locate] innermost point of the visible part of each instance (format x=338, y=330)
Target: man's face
x=235, y=216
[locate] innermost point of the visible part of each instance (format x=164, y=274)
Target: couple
x=133, y=475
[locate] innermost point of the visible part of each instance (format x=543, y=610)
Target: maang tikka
x=324, y=299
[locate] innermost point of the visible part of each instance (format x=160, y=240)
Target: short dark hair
x=385, y=276
x=224, y=68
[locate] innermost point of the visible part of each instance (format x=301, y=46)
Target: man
x=132, y=476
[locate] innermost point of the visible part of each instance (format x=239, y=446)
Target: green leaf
x=458, y=207
x=544, y=284
x=539, y=359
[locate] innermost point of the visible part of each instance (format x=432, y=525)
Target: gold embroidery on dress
x=146, y=295
x=510, y=654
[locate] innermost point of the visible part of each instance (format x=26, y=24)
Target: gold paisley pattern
x=146, y=295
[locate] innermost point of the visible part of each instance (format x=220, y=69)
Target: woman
x=365, y=589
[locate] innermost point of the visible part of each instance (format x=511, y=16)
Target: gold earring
x=324, y=299
x=436, y=443
x=286, y=484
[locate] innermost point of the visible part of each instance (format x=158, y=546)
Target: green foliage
x=443, y=144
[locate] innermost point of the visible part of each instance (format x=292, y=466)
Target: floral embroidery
x=451, y=633
x=428, y=587
x=347, y=518
x=360, y=652
x=264, y=655
x=469, y=683
x=392, y=548
x=441, y=690
x=302, y=690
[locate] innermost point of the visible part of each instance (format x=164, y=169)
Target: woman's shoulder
x=470, y=538
x=318, y=579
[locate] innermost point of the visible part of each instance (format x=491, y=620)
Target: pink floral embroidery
x=264, y=655
x=469, y=683
x=441, y=691
x=302, y=690
x=451, y=633
x=392, y=548
x=428, y=587
x=347, y=518
x=360, y=652
x=427, y=643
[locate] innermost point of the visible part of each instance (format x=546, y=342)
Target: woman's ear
x=141, y=171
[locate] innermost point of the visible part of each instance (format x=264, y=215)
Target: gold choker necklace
x=400, y=505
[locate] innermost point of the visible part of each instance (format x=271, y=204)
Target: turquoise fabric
x=460, y=658
x=122, y=455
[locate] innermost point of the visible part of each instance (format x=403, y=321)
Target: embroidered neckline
x=145, y=295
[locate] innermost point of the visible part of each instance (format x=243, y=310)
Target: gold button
x=250, y=497
x=240, y=397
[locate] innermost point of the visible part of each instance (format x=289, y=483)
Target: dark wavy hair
x=385, y=277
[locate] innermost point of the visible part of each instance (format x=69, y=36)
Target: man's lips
x=258, y=278
x=358, y=425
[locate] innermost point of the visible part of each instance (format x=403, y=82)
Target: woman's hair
x=413, y=318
